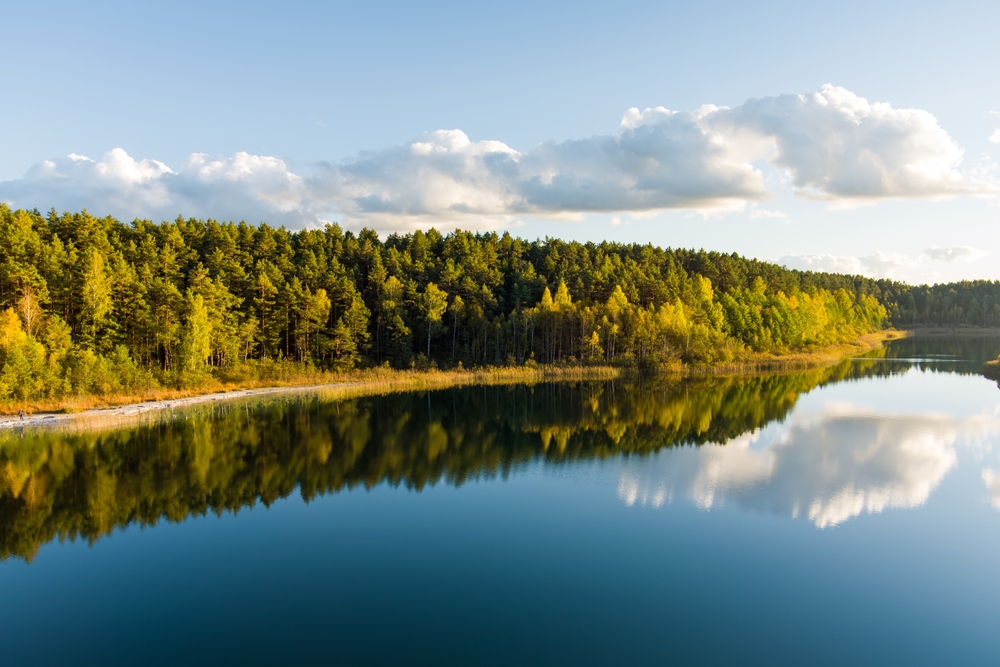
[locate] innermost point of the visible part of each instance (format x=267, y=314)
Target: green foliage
x=192, y=300
x=433, y=303
x=973, y=303
x=196, y=341
x=96, y=297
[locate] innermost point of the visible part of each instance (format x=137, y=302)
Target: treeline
x=974, y=303
x=94, y=306
x=222, y=458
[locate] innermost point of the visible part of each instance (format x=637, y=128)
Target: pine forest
x=94, y=306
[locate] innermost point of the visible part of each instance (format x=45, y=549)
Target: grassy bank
x=353, y=383
x=823, y=356
x=991, y=369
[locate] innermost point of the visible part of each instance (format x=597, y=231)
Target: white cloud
x=995, y=137
x=992, y=480
x=243, y=186
x=824, y=263
x=959, y=253
x=839, y=147
x=670, y=163
x=831, y=145
x=828, y=466
x=886, y=265
x=764, y=214
x=882, y=264
x=876, y=265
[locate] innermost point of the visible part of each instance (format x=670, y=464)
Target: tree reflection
x=228, y=456
x=963, y=354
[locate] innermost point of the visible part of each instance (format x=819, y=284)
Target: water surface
x=848, y=514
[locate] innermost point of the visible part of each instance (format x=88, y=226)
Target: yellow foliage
x=12, y=336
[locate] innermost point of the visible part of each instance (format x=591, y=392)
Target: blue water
x=862, y=527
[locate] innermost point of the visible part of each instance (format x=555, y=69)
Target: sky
x=859, y=137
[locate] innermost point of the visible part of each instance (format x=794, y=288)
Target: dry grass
x=351, y=383
x=822, y=356
x=380, y=382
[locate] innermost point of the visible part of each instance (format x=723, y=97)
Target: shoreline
x=796, y=361
x=130, y=410
x=355, y=384
x=380, y=381
x=949, y=332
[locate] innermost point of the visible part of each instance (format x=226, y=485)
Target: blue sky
x=303, y=112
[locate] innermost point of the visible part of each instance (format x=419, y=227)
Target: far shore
x=112, y=410
x=950, y=332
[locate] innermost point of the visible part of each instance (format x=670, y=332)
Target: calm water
x=846, y=515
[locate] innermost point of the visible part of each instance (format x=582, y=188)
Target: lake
x=849, y=514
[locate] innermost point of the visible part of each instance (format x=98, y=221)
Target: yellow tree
x=197, y=335
x=96, y=297
x=433, y=303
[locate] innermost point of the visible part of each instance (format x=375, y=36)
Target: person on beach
x=20, y=413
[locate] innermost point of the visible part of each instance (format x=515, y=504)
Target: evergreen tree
x=193, y=301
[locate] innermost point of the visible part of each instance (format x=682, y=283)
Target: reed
x=799, y=360
x=352, y=383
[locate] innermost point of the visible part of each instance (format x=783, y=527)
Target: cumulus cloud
x=652, y=164
x=876, y=265
x=992, y=480
x=995, y=137
x=764, y=214
x=828, y=466
x=880, y=264
x=959, y=253
x=825, y=263
x=832, y=144
x=240, y=187
x=839, y=147
x=886, y=264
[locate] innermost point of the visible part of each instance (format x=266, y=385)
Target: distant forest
x=95, y=306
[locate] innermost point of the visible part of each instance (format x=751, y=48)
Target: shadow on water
x=222, y=457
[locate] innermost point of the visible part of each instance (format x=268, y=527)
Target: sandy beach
x=124, y=412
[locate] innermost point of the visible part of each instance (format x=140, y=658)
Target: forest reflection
x=224, y=457
x=963, y=354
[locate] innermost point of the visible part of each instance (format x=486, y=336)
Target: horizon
x=499, y=233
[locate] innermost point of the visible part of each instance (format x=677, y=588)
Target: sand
x=125, y=412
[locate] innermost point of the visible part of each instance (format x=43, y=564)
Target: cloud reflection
x=992, y=480
x=828, y=466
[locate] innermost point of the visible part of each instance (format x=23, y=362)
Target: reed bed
x=793, y=361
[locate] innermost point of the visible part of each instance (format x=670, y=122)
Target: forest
x=95, y=306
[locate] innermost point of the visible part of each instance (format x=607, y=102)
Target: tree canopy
x=92, y=305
